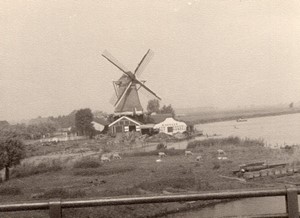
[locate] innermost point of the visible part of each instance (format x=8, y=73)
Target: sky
x=207, y=53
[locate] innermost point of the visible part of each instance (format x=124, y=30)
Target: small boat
x=241, y=120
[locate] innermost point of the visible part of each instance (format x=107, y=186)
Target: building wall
x=123, y=126
x=171, y=126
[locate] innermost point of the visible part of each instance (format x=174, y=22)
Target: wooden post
x=55, y=209
x=292, y=202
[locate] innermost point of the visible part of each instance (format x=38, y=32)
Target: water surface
x=248, y=206
x=274, y=130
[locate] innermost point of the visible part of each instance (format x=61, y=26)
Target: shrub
x=10, y=190
x=62, y=193
x=29, y=170
x=87, y=163
x=161, y=146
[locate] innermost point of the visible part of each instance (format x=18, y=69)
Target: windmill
x=127, y=101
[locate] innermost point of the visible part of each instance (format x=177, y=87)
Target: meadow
x=74, y=170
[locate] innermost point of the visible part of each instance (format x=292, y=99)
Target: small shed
x=171, y=126
x=124, y=124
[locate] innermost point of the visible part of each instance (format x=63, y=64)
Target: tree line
x=154, y=107
x=78, y=120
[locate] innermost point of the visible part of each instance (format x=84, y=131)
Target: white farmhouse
x=171, y=126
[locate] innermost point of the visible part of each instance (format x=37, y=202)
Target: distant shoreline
x=196, y=118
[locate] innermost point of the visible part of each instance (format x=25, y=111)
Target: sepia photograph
x=138, y=108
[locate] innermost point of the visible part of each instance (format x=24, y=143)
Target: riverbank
x=219, y=116
x=82, y=175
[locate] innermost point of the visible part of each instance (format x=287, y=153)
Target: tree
x=167, y=110
x=12, y=151
x=153, y=106
x=83, y=122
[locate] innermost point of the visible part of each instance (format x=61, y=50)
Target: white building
x=98, y=126
x=171, y=126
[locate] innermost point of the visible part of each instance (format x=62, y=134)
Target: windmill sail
x=128, y=101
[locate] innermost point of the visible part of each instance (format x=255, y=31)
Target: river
x=275, y=131
x=248, y=206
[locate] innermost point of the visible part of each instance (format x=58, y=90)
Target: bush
x=8, y=190
x=62, y=193
x=87, y=163
x=161, y=146
x=29, y=170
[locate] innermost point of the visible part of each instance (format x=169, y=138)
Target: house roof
x=127, y=118
x=158, y=118
x=101, y=121
x=147, y=126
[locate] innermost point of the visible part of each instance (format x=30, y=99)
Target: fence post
x=55, y=209
x=292, y=202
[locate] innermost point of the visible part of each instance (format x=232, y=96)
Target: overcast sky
x=221, y=53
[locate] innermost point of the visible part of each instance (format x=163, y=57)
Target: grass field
x=82, y=175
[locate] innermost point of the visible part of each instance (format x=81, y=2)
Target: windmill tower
x=126, y=99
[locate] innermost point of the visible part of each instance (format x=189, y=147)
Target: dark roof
x=158, y=118
x=101, y=121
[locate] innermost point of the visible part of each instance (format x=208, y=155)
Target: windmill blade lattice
x=143, y=63
x=114, y=61
x=128, y=85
